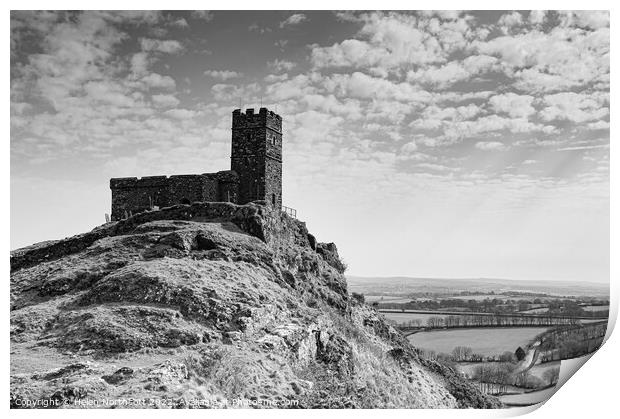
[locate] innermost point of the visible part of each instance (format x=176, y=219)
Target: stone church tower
x=256, y=173
x=256, y=156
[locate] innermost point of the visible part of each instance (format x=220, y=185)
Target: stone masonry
x=255, y=175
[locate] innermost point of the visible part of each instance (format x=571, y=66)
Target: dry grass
x=192, y=321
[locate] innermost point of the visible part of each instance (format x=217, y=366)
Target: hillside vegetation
x=209, y=302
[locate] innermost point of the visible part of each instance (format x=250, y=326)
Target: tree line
x=496, y=377
x=498, y=372
x=486, y=320
x=557, y=307
x=571, y=342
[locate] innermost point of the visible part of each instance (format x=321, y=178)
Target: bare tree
x=461, y=353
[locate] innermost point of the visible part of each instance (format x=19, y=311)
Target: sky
x=430, y=144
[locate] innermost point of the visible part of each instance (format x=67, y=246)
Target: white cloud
x=273, y=78
x=442, y=77
x=389, y=40
x=223, y=74
x=281, y=43
x=490, y=145
x=232, y=93
x=592, y=19
x=157, y=81
x=165, y=101
x=509, y=21
x=168, y=46
x=179, y=23
x=458, y=97
x=442, y=14
x=435, y=115
x=255, y=27
x=205, y=15
x=294, y=19
x=136, y=17
x=140, y=62
x=516, y=106
x=296, y=87
x=360, y=85
x=181, y=113
x=348, y=53
x=281, y=65
x=350, y=108
x=314, y=126
x=537, y=17
x=492, y=123
x=598, y=125
x=560, y=59
x=584, y=147
x=409, y=147
x=109, y=93
x=454, y=71
x=574, y=107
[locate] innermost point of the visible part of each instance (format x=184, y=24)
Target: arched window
x=185, y=201
x=273, y=199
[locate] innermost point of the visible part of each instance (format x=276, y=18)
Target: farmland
x=596, y=308
x=507, y=337
x=484, y=341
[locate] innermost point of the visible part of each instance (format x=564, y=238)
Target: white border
x=590, y=394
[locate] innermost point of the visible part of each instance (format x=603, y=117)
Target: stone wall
x=273, y=183
x=228, y=182
x=251, y=172
x=133, y=195
x=185, y=189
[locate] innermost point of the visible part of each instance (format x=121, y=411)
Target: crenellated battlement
x=263, y=119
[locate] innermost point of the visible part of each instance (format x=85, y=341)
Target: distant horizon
x=483, y=278
x=490, y=278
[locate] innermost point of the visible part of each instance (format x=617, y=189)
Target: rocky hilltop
x=204, y=305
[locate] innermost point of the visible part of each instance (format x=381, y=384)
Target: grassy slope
x=178, y=309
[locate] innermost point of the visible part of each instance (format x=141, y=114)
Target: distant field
x=483, y=297
x=408, y=285
x=386, y=299
x=596, y=308
x=535, y=310
x=485, y=341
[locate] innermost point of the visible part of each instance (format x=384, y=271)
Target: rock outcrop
x=207, y=305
